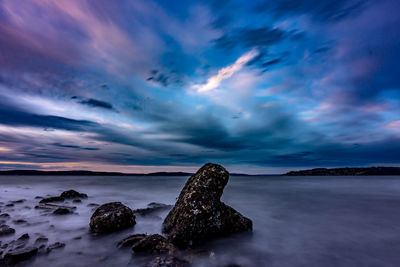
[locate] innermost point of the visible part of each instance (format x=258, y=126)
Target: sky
x=143, y=86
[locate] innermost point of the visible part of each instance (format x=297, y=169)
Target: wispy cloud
x=226, y=72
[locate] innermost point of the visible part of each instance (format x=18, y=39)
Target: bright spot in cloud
x=225, y=73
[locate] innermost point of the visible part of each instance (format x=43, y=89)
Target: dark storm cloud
x=322, y=11
x=15, y=117
x=97, y=104
x=74, y=146
x=250, y=37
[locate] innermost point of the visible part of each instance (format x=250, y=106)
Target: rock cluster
x=198, y=214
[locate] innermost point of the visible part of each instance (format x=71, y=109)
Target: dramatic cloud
x=259, y=86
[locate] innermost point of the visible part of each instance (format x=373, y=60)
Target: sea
x=297, y=221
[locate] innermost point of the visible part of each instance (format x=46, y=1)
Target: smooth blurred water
x=298, y=221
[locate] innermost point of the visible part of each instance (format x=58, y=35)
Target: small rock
x=72, y=194
x=38, y=197
x=153, y=244
x=167, y=261
x=52, y=199
x=130, y=240
x=77, y=238
x=76, y=201
x=6, y=230
x=24, y=237
x=92, y=205
x=10, y=205
x=17, y=255
x=62, y=211
x=5, y=215
x=56, y=245
x=112, y=217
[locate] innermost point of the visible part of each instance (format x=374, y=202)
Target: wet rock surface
x=130, y=240
x=52, y=199
x=152, y=208
x=6, y=230
x=54, y=246
x=167, y=261
x=112, y=217
x=62, y=211
x=198, y=214
x=73, y=194
x=22, y=254
x=153, y=244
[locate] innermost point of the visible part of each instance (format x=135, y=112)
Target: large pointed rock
x=198, y=214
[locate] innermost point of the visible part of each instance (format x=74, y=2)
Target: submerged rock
x=62, y=211
x=17, y=255
x=18, y=201
x=56, y=245
x=20, y=242
x=151, y=208
x=167, y=261
x=153, y=244
x=19, y=221
x=6, y=230
x=198, y=214
x=130, y=240
x=41, y=240
x=73, y=194
x=52, y=199
x=112, y=217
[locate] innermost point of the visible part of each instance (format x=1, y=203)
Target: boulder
x=167, y=261
x=52, y=199
x=153, y=244
x=112, y=217
x=198, y=214
x=6, y=230
x=17, y=255
x=130, y=240
x=73, y=194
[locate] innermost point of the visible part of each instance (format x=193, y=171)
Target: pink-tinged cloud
x=394, y=125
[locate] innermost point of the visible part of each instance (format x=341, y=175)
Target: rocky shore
x=197, y=216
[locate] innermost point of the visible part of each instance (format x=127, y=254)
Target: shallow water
x=298, y=221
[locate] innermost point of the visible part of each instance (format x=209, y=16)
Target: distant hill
x=89, y=173
x=93, y=173
x=346, y=171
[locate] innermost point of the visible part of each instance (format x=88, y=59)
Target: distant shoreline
x=94, y=173
x=367, y=171
x=362, y=171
